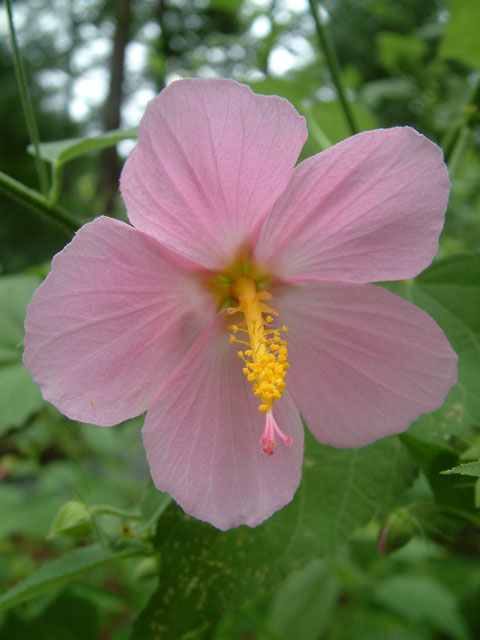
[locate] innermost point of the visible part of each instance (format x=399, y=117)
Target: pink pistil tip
x=271, y=430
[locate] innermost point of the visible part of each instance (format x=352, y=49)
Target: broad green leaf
x=303, y=606
x=19, y=395
x=68, y=617
x=326, y=117
x=61, y=571
x=205, y=572
x=371, y=623
x=330, y=117
x=433, y=459
x=461, y=40
x=422, y=599
x=467, y=469
x=397, y=50
x=62, y=151
x=153, y=504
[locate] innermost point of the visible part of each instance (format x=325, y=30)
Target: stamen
x=266, y=358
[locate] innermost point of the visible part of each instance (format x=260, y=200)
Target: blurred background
x=92, y=66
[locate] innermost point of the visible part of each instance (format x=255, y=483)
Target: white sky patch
x=206, y=72
x=326, y=94
x=47, y=23
x=89, y=90
x=261, y=4
x=236, y=52
x=89, y=54
x=150, y=30
x=19, y=13
x=255, y=75
x=296, y=52
x=87, y=31
x=171, y=77
x=52, y=79
x=135, y=57
x=281, y=60
x=216, y=55
x=134, y=107
x=261, y=27
x=125, y=147
x=296, y=6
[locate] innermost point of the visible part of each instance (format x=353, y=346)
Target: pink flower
x=227, y=233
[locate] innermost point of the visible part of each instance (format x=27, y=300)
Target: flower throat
x=265, y=359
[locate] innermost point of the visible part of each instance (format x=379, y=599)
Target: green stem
x=26, y=103
x=106, y=509
x=332, y=62
x=459, y=149
x=159, y=511
x=14, y=189
x=455, y=137
x=57, y=174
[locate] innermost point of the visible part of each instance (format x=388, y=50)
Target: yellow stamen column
x=266, y=360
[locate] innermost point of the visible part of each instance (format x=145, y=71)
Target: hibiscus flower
x=239, y=299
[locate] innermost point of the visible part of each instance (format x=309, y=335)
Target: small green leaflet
x=62, y=151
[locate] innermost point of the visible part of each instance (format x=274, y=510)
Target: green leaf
x=303, y=606
x=67, y=618
x=422, y=599
x=325, y=117
x=62, y=570
x=461, y=40
x=397, y=50
x=329, y=116
x=205, y=572
x=371, y=623
x=467, y=469
x=432, y=459
x=62, y=151
x=19, y=395
x=153, y=504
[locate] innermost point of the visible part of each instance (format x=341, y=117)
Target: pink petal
x=113, y=317
x=367, y=209
x=364, y=363
x=211, y=160
x=202, y=438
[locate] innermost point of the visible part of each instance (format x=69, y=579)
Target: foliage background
x=377, y=543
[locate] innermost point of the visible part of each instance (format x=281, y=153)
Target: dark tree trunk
x=109, y=161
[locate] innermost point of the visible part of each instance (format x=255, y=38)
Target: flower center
x=265, y=358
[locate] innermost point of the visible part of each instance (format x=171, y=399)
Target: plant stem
x=107, y=509
x=26, y=103
x=454, y=142
x=54, y=193
x=33, y=199
x=332, y=62
x=462, y=143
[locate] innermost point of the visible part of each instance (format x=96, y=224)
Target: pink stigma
x=268, y=439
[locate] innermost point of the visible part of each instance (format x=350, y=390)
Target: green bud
x=144, y=569
x=73, y=520
x=399, y=528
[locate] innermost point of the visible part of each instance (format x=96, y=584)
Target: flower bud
x=399, y=528
x=73, y=520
